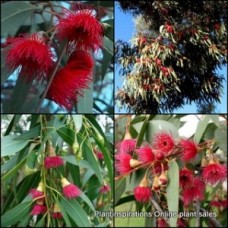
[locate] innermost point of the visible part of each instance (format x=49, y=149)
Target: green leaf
x=10, y=146
x=64, y=212
x=12, y=124
x=4, y=72
x=90, y=157
x=14, y=13
x=201, y=127
x=75, y=173
x=142, y=133
x=86, y=199
x=221, y=137
x=105, y=63
x=173, y=192
x=85, y=103
x=215, y=119
x=82, y=163
x=12, y=171
x=108, y=45
x=18, y=98
x=120, y=186
x=67, y=135
x=77, y=122
x=156, y=126
x=125, y=199
x=109, y=31
x=107, y=160
x=94, y=122
x=32, y=133
x=138, y=119
x=16, y=214
x=75, y=211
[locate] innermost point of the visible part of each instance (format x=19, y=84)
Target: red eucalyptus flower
x=145, y=154
x=81, y=28
x=186, y=177
x=142, y=194
x=69, y=82
x=70, y=190
x=53, y=161
x=39, y=208
x=195, y=191
x=31, y=55
x=126, y=146
x=56, y=214
x=38, y=192
x=123, y=163
x=214, y=173
x=162, y=223
x=164, y=142
x=189, y=149
x=105, y=189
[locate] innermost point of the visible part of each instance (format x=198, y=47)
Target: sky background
x=124, y=29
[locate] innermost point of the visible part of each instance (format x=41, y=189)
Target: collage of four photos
x=114, y=113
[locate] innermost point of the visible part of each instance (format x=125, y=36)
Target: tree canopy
x=173, y=56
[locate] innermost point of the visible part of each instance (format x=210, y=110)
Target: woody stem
x=51, y=78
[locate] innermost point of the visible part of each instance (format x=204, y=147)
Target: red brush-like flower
x=181, y=222
x=100, y=156
x=70, y=81
x=189, y=149
x=145, y=154
x=38, y=209
x=38, y=192
x=195, y=191
x=142, y=194
x=162, y=223
x=105, y=189
x=53, y=162
x=126, y=146
x=164, y=142
x=214, y=173
x=70, y=190
x=186, y=177
x=81, y=28
x=31, y=55
x=56, y=214
x=123, y=163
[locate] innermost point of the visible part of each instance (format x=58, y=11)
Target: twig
x=51, y=78
x=157, y=207
x=197, y=224
x=213, y=220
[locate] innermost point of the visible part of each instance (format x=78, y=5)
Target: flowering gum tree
x=62, y=170
x=173, y=56
x=172, y=171
x=60, y=60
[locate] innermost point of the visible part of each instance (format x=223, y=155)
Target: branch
x=212, y=219
x=51, y=79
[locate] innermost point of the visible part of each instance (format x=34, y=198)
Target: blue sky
x=124, y=29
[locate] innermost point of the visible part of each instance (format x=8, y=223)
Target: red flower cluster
x=31, y=55
x=82, y=29
x=70, y=80
x=34, y=58
x=193, y=187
